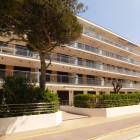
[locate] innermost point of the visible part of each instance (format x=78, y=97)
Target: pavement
x=75, y=122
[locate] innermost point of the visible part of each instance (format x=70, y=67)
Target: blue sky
x=119, y=16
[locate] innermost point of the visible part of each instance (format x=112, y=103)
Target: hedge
x=84, y=100
x=116, y=100
x=106, y=100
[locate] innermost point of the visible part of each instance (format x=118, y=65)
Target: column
x=9, y=70
x=71, y=98
x=54, y=77
x=84, y=92
x=107, y=92
x=97, y=93
x=125, y=92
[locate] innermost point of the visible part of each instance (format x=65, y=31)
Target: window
x=80, y=62
x=89, y=63
x=91, y=79
x=48, y=75
x=21, y=50
x=80, y=46
x=22, y=72
x=62, y=77
x=88, y=48
x=62, y=58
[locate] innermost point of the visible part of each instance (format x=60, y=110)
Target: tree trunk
x=43, y=71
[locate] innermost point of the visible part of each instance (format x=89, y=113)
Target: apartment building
x=87, y=65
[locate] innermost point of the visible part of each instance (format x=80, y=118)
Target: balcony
x=64, y=79
x=22, y=51
x=98, y=37
x=102, y=52
x=91, y=64
x=71, y=60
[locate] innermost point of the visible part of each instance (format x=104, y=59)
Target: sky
x=119, y=16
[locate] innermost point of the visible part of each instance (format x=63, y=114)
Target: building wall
x=87, y=65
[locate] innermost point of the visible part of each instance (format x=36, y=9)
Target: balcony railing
x=91, y=64
x=71, y=60
x=92, y=34
x=102, y=52
x=64, y=79
x=22, y=51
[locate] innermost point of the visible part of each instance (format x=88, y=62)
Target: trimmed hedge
x=106, y=100
x=84, y=100
x=116, y=100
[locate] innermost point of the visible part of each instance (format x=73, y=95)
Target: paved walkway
x=69, y=116
x=72, y=121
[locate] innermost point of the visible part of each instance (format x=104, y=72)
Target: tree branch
x=47, y=35
x=49, y=63
x=22, y=38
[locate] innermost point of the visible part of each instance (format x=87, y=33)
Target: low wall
x=32, y=122
x=124, y=110
x=103, y=112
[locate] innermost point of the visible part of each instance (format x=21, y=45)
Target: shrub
x=19, y=90
x=19, y=93
x=84, y=100
x=50, y=96
x=115, y=100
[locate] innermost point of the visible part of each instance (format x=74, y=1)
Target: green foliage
x=20, y=97
x=84, y=100
x=106, y=100
x=50, y=97
x=116, y=100
x=18, y=90
x=42, y=25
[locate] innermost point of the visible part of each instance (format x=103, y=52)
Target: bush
x=116, y=100
x=22, y=98
x=84, y=100
x=19, y=90
x=50, y=97
x=106, y=100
